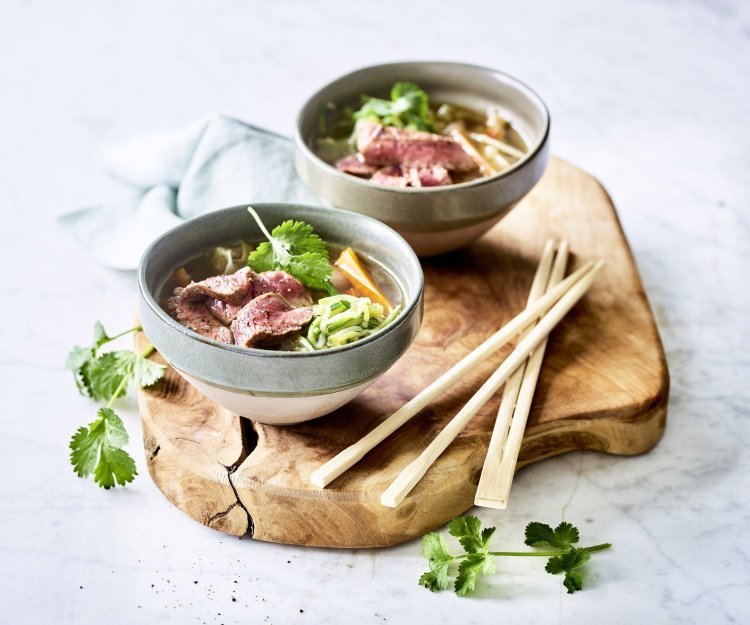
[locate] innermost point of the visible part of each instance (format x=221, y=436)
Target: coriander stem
x=262, y=227
x=126, y=379
x=118, y=390
x=598, y=547
x=330, y=288
x=117, y=336
x=544, y=554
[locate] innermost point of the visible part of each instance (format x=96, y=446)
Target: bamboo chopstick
x=502, y=454
x=510, y=392
x=349, y=456
x=409, y=476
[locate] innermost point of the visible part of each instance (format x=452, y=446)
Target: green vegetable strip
x=342, y=319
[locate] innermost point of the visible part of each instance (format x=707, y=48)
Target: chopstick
x=513, y=385
x=502, y=454
x=413, y=472
x=349, y=456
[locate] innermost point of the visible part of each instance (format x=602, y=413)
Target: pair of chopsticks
x=553, y=304
x=500, y=463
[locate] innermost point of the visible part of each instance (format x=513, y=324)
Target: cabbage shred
x=342, y=319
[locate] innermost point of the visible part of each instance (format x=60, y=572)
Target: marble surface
x=651, y=97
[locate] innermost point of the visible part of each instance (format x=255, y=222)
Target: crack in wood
x=218, y=515
x=249, y=438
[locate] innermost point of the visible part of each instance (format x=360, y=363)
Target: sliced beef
x=387, y=145
x=231, y=288
x=267, y=282
x=284, y=284
x=267, y=319
x=355, y=164
x=224, y=311
x=194, y=314
x=391, y=176
x=435, y=176
x=260, y=307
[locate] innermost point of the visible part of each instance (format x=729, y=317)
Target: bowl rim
x=406, y=312
x=356, y=180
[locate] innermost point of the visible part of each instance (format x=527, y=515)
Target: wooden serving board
x=603, y=386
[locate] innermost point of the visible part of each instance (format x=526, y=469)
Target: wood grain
x=603, y=386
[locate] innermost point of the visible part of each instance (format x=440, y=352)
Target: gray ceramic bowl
x=273, y=386
x=436, y=219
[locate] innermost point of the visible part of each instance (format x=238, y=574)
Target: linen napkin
x=173, y=176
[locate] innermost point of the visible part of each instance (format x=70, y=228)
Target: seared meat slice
x=194, y=314
x=267, y=282
x=284, y=284
x=224, y=311
x=267, y=319
x=231, y=288
x=387, y=145
x=391, y=176
x=355, y=164
x=435, y=176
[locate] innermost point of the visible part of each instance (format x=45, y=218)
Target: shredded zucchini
x=342, y=319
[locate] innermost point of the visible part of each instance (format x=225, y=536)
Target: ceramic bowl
x=435, y=219
x=273, y=386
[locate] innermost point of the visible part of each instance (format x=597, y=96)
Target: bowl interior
x=467, y=85
x=375, y=241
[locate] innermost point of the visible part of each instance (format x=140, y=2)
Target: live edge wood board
x=603, y=386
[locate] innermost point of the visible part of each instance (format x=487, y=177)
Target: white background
x=651, y=97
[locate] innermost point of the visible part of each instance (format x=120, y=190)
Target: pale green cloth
x=212, y=164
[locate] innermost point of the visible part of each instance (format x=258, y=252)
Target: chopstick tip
x=497, y=504
x=388, y=501
x=318, y=480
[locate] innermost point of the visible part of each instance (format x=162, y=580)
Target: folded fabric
x=212, y=164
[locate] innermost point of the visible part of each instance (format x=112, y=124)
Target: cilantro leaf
x=315, y=269
x=146, y=372
x=468, y=571
x=468, y=531
x=110, y=373
x=78, y=357
x=409, y=107
x=487, y=534
x=409, y=98
x=98, y=450
x=293, y=247
x=562, y=537
x=79, y=361
x=262, y=258
x=433, y=582
x=475, y=541
x=569, y=562
x=83, y=362
x=107, y=376
x=298, y=237
x=100, y=335
x=436, y=552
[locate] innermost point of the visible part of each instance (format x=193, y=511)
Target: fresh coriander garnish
x=409, y=107
x=477, y=558
x=293, y=247
x=98, y=448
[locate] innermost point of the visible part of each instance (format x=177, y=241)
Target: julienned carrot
x=361, y=280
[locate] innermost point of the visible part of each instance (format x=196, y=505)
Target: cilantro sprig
x=104, y=376
x=293, y=247
x=409, y=107
x=477, y=558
